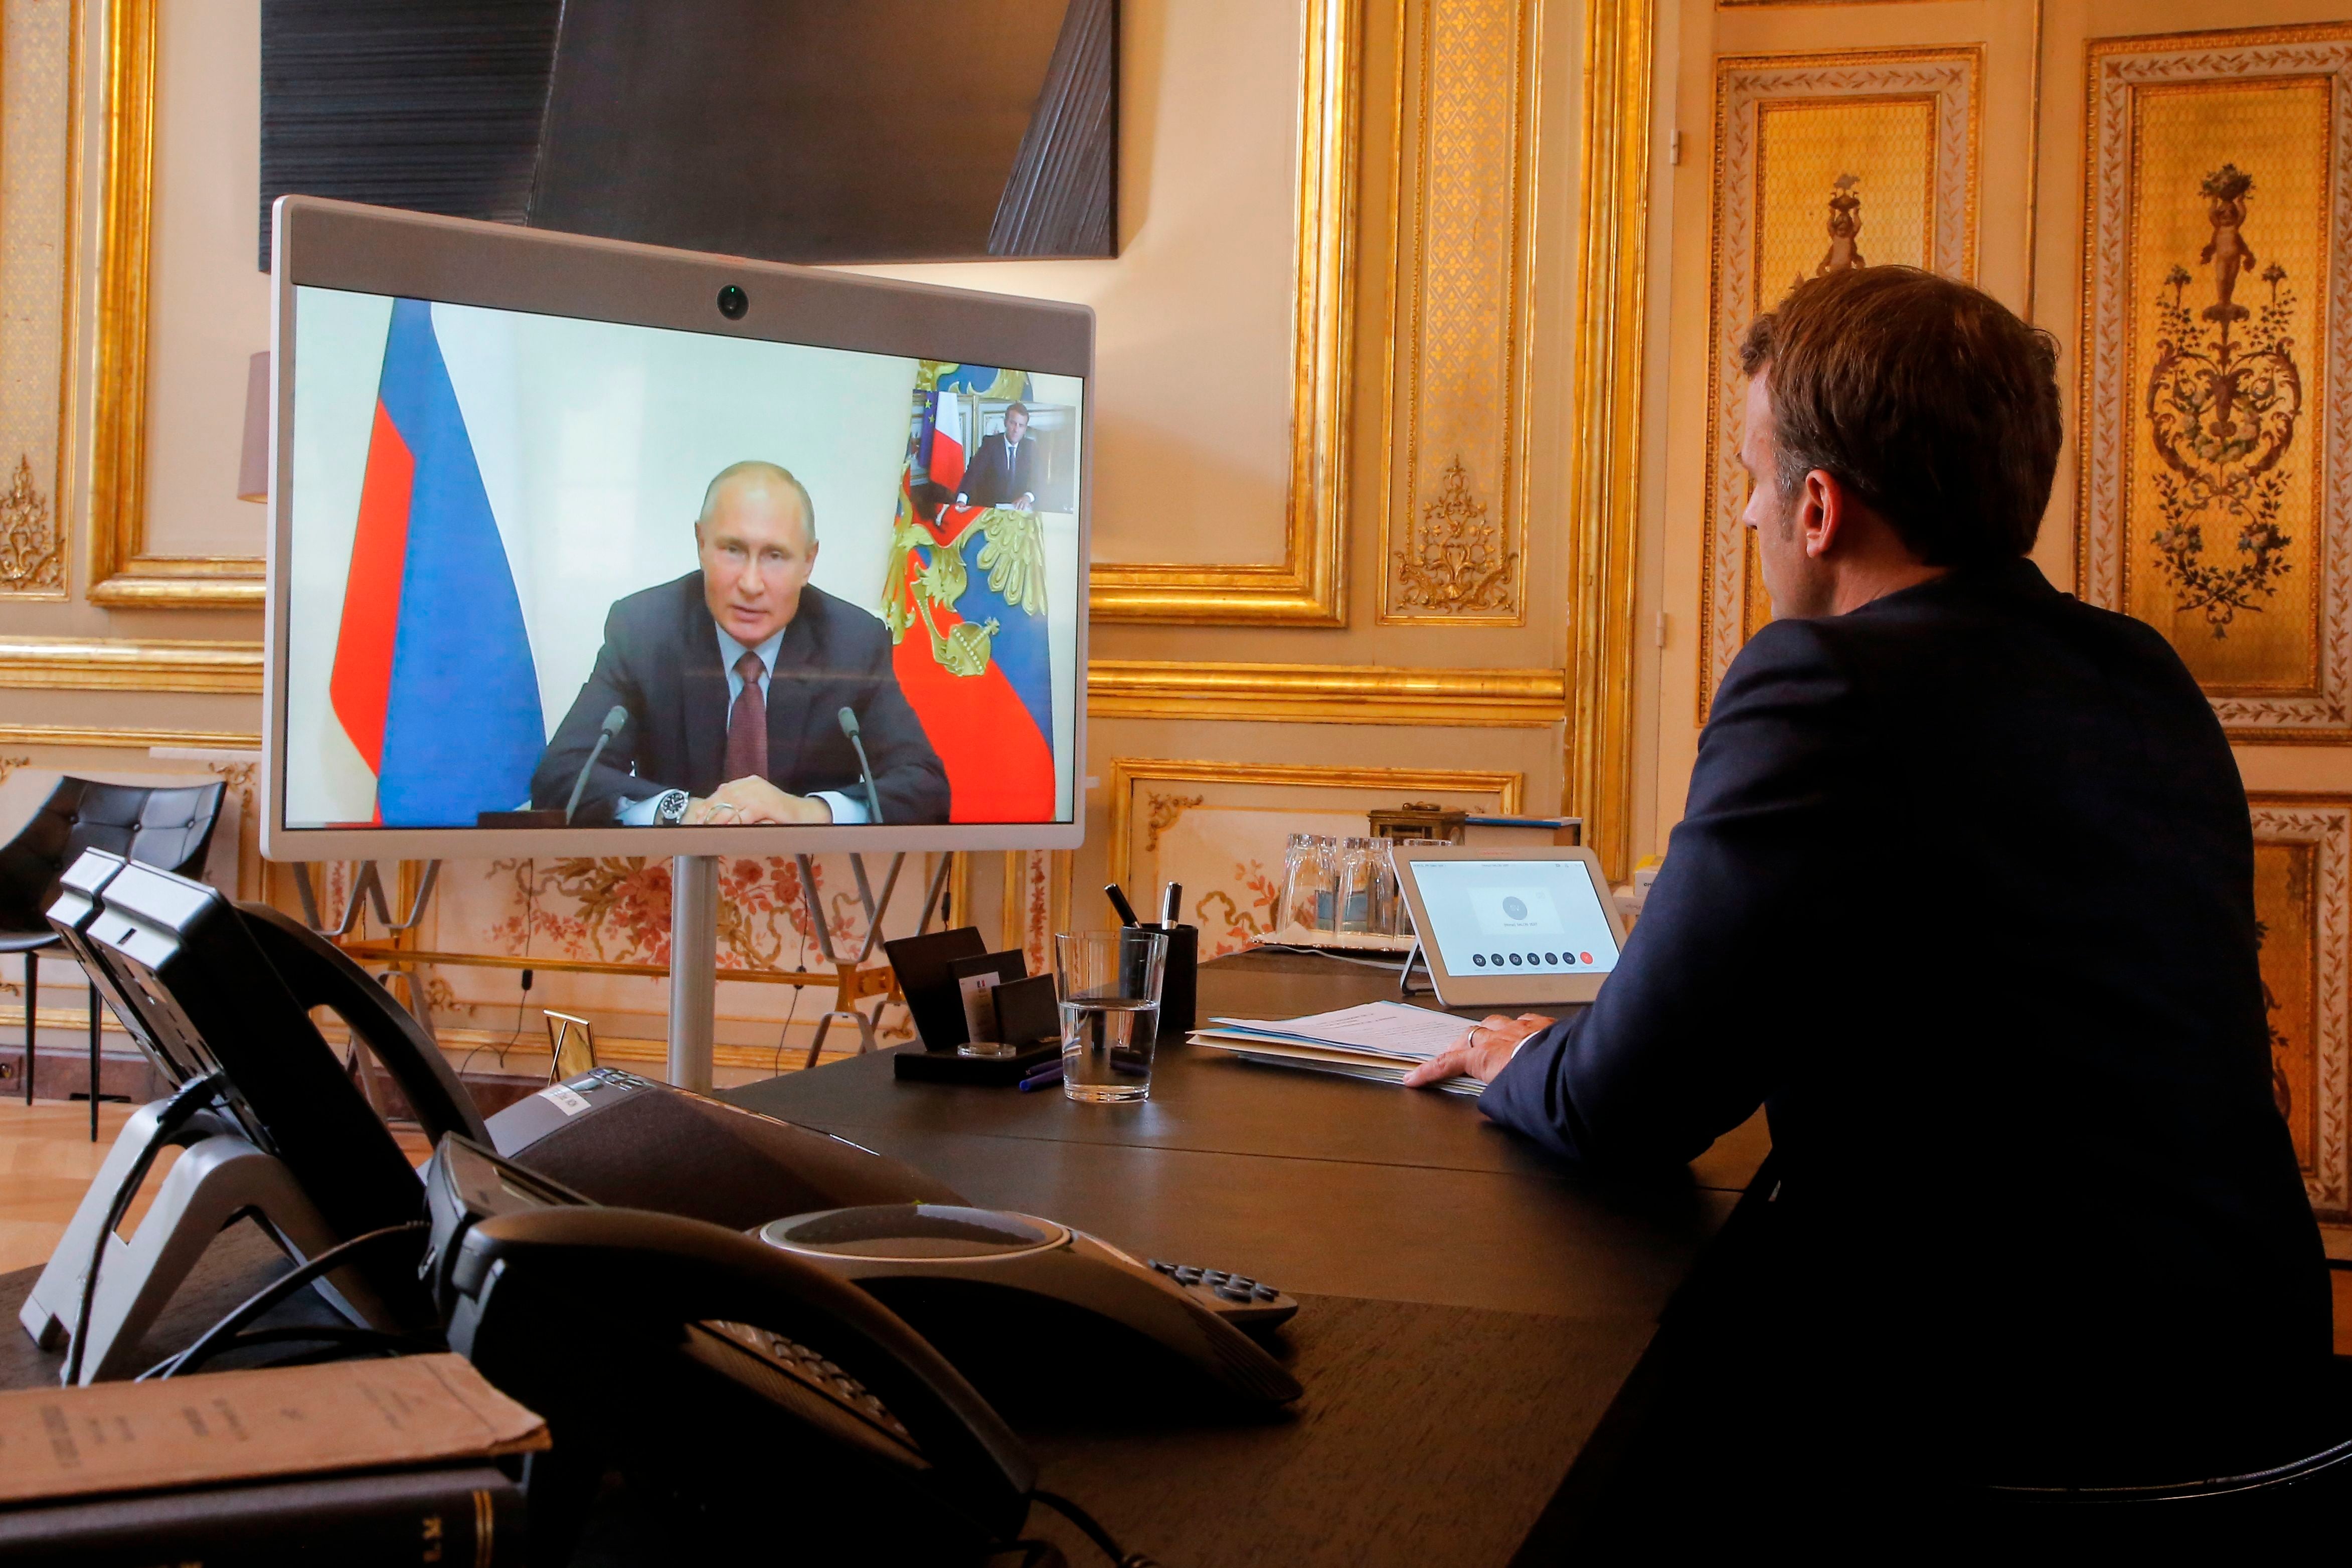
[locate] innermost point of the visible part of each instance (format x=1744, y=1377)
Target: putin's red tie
x=747, y=724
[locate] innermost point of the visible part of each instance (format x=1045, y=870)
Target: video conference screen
x=544, y=571
x=1539, y=916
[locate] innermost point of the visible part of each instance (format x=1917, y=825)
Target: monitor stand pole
x=693, y=969
x=694, y=956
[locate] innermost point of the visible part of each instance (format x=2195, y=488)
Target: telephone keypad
x=1241, y=1301
x=818, y=1372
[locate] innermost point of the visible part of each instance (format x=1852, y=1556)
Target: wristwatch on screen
x=669, y=810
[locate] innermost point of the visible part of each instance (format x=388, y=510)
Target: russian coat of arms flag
x=965, y=598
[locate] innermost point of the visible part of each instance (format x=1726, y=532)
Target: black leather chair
x=2307, y=1483
x=168, y=828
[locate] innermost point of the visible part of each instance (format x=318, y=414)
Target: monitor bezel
x=326, y=244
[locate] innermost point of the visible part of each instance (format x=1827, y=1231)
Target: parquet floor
x=47, y=1160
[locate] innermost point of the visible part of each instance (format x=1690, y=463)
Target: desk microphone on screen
x=848, y=717
x=613, y=723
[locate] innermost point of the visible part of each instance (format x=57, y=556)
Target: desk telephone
x=853, y=1347
x=635, y=1333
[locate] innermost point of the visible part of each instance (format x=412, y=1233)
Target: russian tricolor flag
x=433, y=679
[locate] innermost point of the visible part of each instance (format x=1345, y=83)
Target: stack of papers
x=1380, y=1041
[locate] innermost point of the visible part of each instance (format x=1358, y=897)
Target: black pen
x=1118, y=903
x=1170, y=903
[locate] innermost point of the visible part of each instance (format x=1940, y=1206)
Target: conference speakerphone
x=1505, y=926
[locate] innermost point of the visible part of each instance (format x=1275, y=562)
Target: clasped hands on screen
x=752, y=799
x=1489, y=1046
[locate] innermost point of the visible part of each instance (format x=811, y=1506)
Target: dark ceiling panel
x=432, y=105
x=809, y=130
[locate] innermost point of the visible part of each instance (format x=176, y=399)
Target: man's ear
x=1822, y=512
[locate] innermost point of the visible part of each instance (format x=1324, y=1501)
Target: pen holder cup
x=1180, y=981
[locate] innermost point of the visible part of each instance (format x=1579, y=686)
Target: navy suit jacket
x=990, y=481
x=660, y=662
x=1964, y=896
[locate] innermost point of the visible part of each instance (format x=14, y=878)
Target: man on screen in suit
x=1963, y=896
x=733, y=678
x=1003, y=472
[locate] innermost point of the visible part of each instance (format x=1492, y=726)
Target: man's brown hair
x=1926, y=398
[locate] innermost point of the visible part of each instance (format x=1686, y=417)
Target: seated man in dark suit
x=1003, y=472
x=733, y=678
x=1964, y=897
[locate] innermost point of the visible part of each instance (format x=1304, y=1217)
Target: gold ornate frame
x=2325, y=822
x=1954, y=76
x=1310, y=587
x=127, y=740
x=61, y=469
x=1326, y=693
x=2104, y=432
x=1605, y=454
x=1407, y=340
x=122, y=663
x=1511, y=787
x=122, y=573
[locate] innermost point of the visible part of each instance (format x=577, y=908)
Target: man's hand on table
x=1489, y=1046
x=754, y=799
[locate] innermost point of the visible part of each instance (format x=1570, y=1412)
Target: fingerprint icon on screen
x=1517, y=908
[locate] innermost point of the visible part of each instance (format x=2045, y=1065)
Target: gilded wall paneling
x=122, y=573
x=1309, y=586
x=2216, y=411
x=1604, y=457
x=1455, y=430
x=1326, y=693
x=1823, y=162
x=127, y=738
x=37, y=104
x=2303, y=887
x=117, y=663
x=1220, y=828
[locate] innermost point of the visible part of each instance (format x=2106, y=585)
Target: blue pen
x=1045, y=1078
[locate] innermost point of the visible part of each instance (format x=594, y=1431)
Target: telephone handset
x=210, y=984
x=321, y=975
x=718, y=1374
x=123, y=920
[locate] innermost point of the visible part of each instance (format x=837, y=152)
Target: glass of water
x=1109, y=983
x=1359, y=887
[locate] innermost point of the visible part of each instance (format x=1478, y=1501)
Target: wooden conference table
x=1470, y=1308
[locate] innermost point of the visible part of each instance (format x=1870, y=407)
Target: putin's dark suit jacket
x=1964, y=896
x=660, y=662
x=990, y=481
